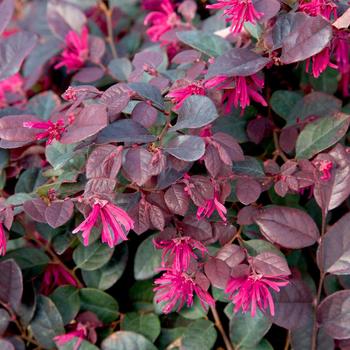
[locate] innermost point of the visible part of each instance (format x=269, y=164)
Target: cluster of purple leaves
x=174, y=174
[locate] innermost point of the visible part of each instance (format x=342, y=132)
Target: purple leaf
x=125, y=130
x=195, y=112
x=333, y=255
x=59, y=212
x=294, y=305
x=11, y=284
x=231, y=254
x=97, y=48
x=341, y=182
x=99, y=186
x=144, y=114
x=217, y=272
x=269, y=8
x=88, y=74
x=13, y=51
x=333, y=315
x=149, y=93
x=288, y=227
x=104, y=161
x=35, y=208
x=88, y=122
x=63, y=17
x=197, y=229
x=247, y=190
x=6, y=11
x=116, y=98
x=307, y=37
x=186, y=147
x=177, y=200
x=237, y=62
x=157, y=217
x=11, y=128
x=270, y=264
x=136, y=165
x=186, y=56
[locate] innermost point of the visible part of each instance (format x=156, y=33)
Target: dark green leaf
x=124, y=340
x=200, y=334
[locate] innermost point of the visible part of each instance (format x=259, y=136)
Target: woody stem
x=278, y=151
x=220, y=328
x=108, y=13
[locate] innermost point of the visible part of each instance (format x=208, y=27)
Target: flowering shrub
x=174, y=174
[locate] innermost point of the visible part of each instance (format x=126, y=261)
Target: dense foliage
x=174, y=174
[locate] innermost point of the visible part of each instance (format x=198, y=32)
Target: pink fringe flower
x=181, y=249
x=53, y=131
x=324, y=8
x=11, y=85
x=179, y=95
x=55, y=275
x=161, y=21
x=341, y=49
x=319, y=61
x=112, y=218
x=76, y=51
x=2, y=240
x=325, y=167
x=237, y=12
x=238, y=91
x=252, y=291
x=81, y=333
x=210, y=207
x=176, y=288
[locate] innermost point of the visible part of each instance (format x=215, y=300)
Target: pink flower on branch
x=116, y=223
x=179, y=95
x=76, y=51
x=325, y=167
x=324, y=8
x=176, y=288
x=251, y=291
x=3, y=242
x=81, y=333
x=161, y=21
x=237, y=12
x=319, y=62
x=180, y=250
x=238, y=91
x=54, y=276
x=52, y=131
x=212, y=205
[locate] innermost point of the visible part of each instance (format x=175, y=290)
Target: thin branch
x=278, y=151
x=220, y=328
x=288, y=340
x=108, y=13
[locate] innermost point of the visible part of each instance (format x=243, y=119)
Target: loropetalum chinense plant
x=174, y=174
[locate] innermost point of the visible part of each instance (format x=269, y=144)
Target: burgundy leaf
x=156, y=217
x=212, y=160
x=58, y=213
x=294, y=305
x=308, y=36
x=104, y=161
x=288, y=227
x=217, y=272
x=237, y=62
x=223, y=232
x=144, y=114
x=230, y=145
x=88, y=122
x=11, y=284
x=269, y=8
x=233, y=255
x=246, y=215
x=116, y=98
x=35, y=208
x=186, y=56
x=333, y=255
x=88, y=74
x=186, y=147
x=99, y=186
x=333, y=315
x=97, y=48
x=177, y=199
x=63, y=17
x=136, y=165
x=13, y=51
x=11, y=128
x=247, y=190
x=6, y=11
x=270, y=264
x=200, y=230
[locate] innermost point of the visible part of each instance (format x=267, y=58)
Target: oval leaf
x=186, y=147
